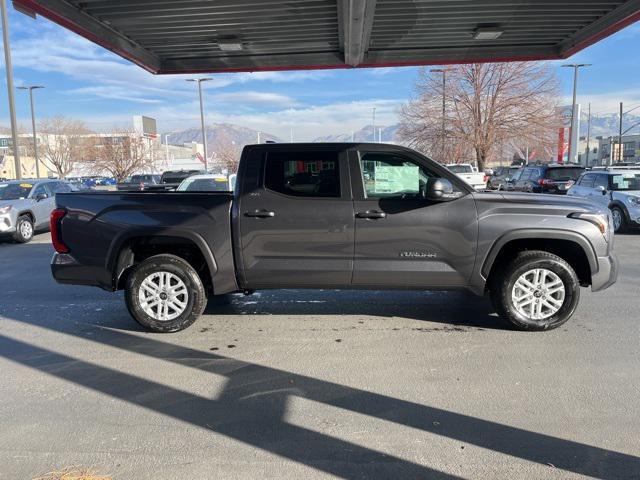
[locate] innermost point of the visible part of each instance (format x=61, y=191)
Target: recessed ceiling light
x=230, y=45
x=487, y=33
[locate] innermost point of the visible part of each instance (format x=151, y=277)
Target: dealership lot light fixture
x=487, y=33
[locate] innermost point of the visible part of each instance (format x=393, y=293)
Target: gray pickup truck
x=338, y=216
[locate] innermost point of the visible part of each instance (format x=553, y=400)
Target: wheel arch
x=133, y=247
x=28, y=213
x=571, y=246
x=621, y=206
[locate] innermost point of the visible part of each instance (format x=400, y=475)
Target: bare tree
x=486, y=105
x=63, y=143
x=120, y=154
x=227, y=156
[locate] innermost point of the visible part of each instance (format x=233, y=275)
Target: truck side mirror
x=41, y=196
x=601, y=189
x=440, y=190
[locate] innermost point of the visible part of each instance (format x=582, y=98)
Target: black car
x=551, y=178
x=138, y=182
x=501, y=177
x=171, y=179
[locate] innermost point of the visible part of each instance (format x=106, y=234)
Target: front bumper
x=7, y=225
x=634, y=215
x=607, y=273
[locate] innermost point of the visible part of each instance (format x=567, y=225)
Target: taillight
x=545, y=181
x=485, y=179
x=56, y=234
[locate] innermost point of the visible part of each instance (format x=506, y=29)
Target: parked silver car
x=619, y=190
x=25, y=206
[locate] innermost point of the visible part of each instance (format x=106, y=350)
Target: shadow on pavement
x=252, y=409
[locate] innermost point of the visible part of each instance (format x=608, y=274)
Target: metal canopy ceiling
x=186, y=36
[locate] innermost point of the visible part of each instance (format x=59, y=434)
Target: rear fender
x=118, y=261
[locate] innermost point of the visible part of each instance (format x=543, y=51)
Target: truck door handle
x=260, y=214
x=371, y=214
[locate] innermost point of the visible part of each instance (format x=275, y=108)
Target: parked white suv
x=619, y=190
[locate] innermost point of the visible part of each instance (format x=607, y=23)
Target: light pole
x=586, y=164
x=443, y=71
x=575, y=67
x=204, y=137
x=12, y=102
x=373, y=124
x=33, y=125
x=620, y=132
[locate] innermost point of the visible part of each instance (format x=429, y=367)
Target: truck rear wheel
x=165, y=294
x=536, y=291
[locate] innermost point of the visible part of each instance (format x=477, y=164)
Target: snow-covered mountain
x=219, y=134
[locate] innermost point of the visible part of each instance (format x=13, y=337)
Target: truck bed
x=97, y=224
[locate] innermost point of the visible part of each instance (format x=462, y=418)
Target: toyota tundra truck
x=337, y=216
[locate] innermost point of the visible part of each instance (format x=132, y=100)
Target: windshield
x=460, y=168
x=625, y=181
x=563, y=173
x=218, y=184
x=14, y=191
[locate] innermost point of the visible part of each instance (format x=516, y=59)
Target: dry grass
x=73, y=473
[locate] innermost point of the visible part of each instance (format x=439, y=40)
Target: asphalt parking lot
x=295, y=384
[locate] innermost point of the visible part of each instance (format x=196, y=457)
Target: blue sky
x=85, y=81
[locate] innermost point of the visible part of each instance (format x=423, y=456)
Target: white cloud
x=55, y=50
x=317, y=120
x=112, y=92
x=248, y=98
x=603, y=103
x=307, y=122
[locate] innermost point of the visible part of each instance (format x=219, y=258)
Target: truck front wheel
x=536, y=291
x=165, y=294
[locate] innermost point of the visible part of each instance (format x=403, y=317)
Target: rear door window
x=303, y=174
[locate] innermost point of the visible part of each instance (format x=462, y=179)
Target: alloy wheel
x=538, y=294
x=163, y=296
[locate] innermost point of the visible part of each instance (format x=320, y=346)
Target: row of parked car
x=180, y=180
x=616, y=187
x=26, y=205
x=550, y=178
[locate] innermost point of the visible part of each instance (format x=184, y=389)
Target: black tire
x=196, y=299
x=503, y=281
x=622, y=226
x=24, y=229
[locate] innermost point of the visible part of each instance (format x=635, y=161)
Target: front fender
x=487, y=258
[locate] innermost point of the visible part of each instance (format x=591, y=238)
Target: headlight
x=5, y=209
x=635, y=201
x=600, y=220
